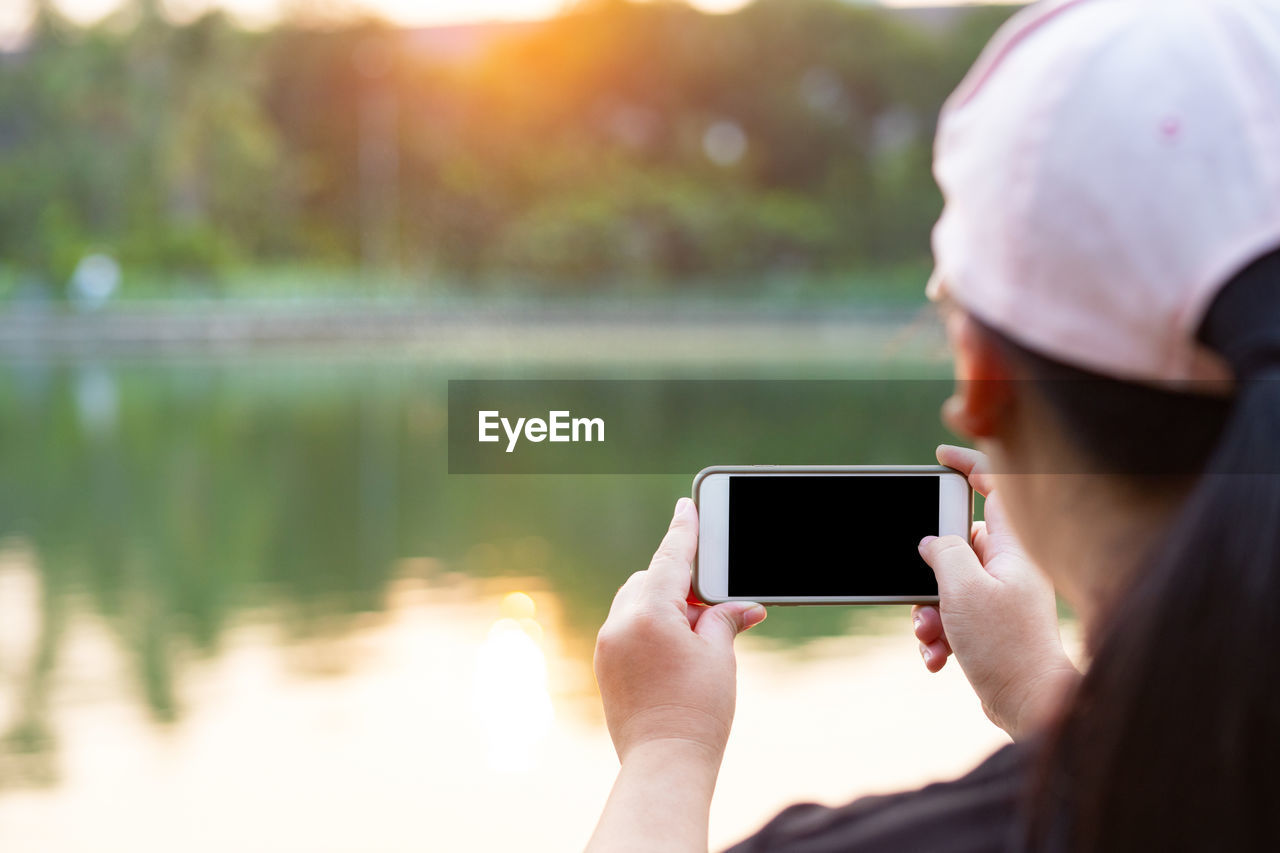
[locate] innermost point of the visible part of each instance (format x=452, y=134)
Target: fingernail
x=915, y=620
x=753, y=615
x=682, y=507
x=924, y=543
x=925, y=654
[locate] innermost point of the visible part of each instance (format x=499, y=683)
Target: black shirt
x=980, y=811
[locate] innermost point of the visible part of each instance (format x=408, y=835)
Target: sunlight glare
x=518, y=605
x=413, y=13
x=718, y=6
x=511, y=700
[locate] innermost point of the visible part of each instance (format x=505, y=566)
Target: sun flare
x=511, y=700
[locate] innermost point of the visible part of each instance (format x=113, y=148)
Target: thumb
x=954, y=564
x=1001, y=534
x=721, y=623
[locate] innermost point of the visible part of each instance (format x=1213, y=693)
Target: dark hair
x=1172, y=739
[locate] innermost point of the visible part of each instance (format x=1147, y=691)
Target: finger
x=669, y=570
x=934, y=655
x=927, y=623
x=972, y=463
x=721, y=623
x=626, y=593
x=978, y=538
x=999, y=534
x=694, y=612
x=954, y=564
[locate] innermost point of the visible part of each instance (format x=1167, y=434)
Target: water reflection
x=431, y=726
x=174, y=498
x=246, y=601
x=510, y=699
x=97, y=401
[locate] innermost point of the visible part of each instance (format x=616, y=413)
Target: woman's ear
x=984, y=383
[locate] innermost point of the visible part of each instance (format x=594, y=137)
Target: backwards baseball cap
x=1107, y=166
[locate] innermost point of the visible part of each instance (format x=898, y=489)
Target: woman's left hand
x=666, y=667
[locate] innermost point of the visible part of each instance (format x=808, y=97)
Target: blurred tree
x=136, y=137
x=635, y=144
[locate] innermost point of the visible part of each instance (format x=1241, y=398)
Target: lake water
x=244, y=606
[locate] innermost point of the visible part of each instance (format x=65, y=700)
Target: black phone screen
x=830, y=535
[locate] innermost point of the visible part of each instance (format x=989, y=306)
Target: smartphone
x=824, y=534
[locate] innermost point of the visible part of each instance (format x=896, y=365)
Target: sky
x=14, y=13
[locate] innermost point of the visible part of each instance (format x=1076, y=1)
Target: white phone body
x=711, y=494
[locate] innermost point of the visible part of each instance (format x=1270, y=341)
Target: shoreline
x=669, y=333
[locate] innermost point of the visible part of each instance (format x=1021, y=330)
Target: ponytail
x=1172, y=741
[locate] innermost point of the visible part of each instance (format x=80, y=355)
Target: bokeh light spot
x=518, y=605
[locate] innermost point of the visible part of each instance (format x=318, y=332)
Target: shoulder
x=977, y=812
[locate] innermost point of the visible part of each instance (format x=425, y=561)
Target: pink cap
x=1107, y=166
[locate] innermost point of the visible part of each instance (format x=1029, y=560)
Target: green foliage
x=146, y=141
x=637, y=142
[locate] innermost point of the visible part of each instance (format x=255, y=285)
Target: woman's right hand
x=997, y=614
